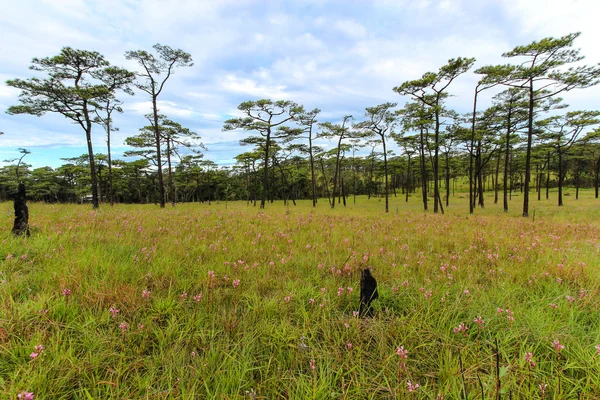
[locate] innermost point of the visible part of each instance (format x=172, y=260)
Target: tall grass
x=228, y=301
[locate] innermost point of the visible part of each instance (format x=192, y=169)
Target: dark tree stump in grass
x=368, y=293
x=21, y=225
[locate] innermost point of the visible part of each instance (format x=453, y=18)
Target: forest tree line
x=526, y=140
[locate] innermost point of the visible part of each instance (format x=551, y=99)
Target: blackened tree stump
x=21, y=225
x=368, y=293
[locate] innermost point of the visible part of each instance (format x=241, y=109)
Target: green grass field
x=230, y=302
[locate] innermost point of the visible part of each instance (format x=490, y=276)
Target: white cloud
x=336, y=55
x=250, y=87
x=168, y=108
x=350, y=28
x=7, y=91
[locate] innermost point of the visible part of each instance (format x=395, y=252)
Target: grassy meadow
x=225, y=301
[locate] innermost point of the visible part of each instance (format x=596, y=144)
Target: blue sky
x=339, y=56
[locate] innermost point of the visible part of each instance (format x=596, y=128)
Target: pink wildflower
x=113, y=312
x=66, y=292
x=598, y=349
x=554, y=306
x=412, y=387
x=349, y=345
x=123, y=326
x=183, y=296
x=428, y=294
x=211, y=274
x=340, y=291
x=529, y=359
x=461, y=328
x=33, y=355
x=311, y=301
x=198, y=297
x=313, y=364
x=557, y=346
x=39, y=348
x=543, y=387
x=510, y=316
x=479, y=321
x=236, y=283
x=146, y=294
x=401, y=352
x=25, y=396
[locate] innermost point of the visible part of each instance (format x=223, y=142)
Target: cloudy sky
x=340, y=56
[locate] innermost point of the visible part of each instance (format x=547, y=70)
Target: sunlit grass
x=288, y=330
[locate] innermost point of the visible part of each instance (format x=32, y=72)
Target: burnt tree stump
x=21, y=225
x=368, y=293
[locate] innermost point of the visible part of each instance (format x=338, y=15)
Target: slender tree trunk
x=337, y=167
x=170, y=171
x=471, y=180
x=560, y=178
x=423, y=170
x=157, y=137
x=511, y=177
x=528, y=153
x=475, y=186
x=479, y=176
x=263, y=201
x=284, y=184
x=447, y=180
x=496, y=185
x=385, y=171
x=436, y=187
x=111, y=196
x=540, y=178
x=94, y=177
x=521, y=182
x=340, y=185
x=481, y=199
x=312, y=170
x=100, y=197
x=255, y=182
x=325, y=184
